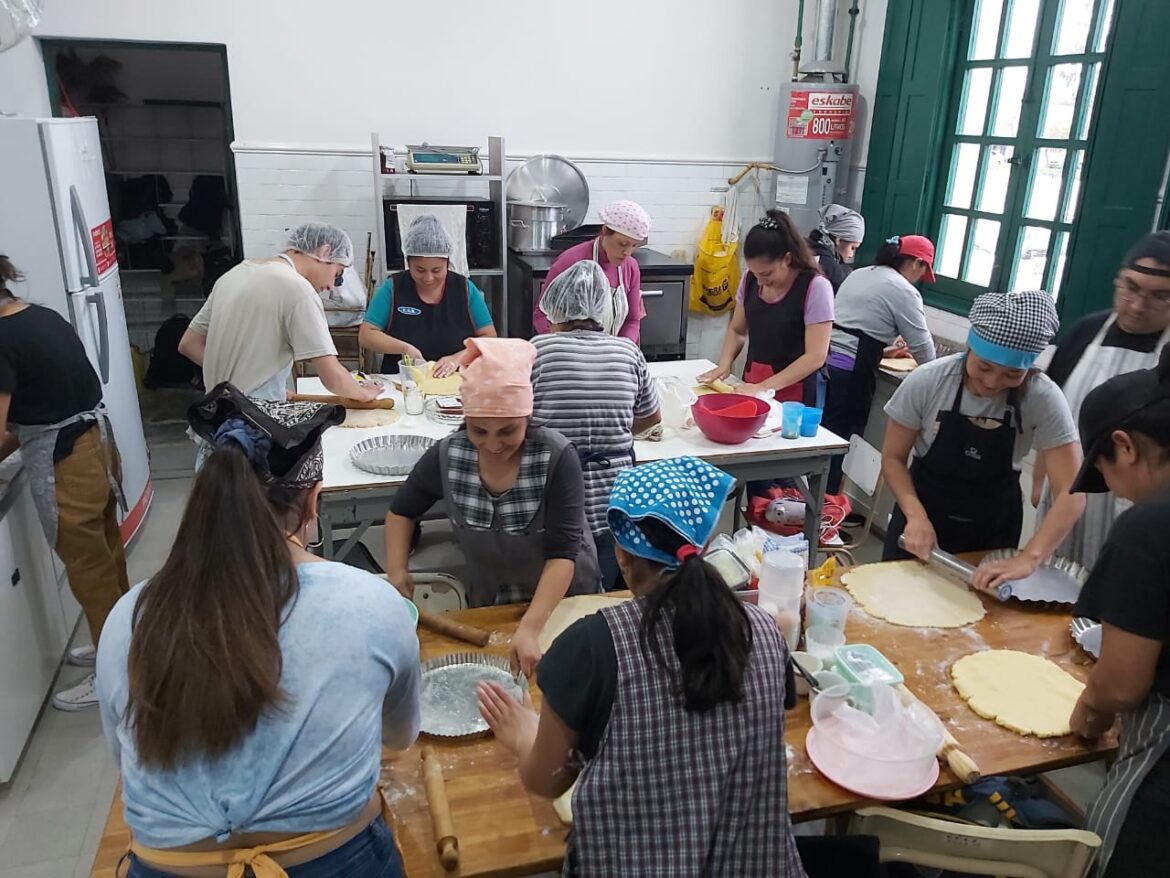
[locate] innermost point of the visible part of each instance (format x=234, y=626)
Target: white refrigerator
x=55, y=226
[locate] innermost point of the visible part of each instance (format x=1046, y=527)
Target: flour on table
x=911, y=594
x=1022, y=692
x=359, y=418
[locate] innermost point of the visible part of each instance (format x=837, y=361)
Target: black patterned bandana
x=291, y=456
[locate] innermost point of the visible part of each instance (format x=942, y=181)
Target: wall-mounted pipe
x=853, y=12
x=799, y=41
x=826, y=30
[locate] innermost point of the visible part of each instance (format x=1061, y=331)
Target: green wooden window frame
x=992, y=219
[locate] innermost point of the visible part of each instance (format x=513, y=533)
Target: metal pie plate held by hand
x=450, y=701
x=389, y=455
x=1056, y=581
x=1087, y=634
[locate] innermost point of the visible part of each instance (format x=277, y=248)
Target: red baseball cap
x=920, y=248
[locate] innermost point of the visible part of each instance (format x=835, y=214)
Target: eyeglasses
x=1133, y=292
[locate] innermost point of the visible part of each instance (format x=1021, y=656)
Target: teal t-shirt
x=382, y=304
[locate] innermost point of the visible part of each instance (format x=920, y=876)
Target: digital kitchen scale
x=427, y=159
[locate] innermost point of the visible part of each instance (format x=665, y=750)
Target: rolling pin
x=459, y=630
x=446, y=842
x=958, y=761
x=945, y=562
x=330, y=399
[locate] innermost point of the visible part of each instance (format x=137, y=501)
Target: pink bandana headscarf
x=497, y=379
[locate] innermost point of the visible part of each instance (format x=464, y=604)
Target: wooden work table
x=504, y=831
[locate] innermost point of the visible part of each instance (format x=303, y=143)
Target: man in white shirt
x=262, y=316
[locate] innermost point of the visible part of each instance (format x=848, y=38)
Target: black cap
x=1154, y=246
x=1107, y=408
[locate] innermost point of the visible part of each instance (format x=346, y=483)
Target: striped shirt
x=590, y=387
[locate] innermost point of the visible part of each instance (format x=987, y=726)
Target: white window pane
x=997, y=173
x=1102, y=39
x=1074, y=194
x=976, y=92
x=1008, y=101
x=964, y=164
x=1060, y=101
x=1072, y=27
x=985, y=30
x=950, y=244
x=1058, y=253
x=1089, y=98
x=1021, y=29
x=1033, y=259
x=981, y=260
x=1044, y=188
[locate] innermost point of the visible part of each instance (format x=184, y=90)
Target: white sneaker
x=82, y=656
x=80, y=697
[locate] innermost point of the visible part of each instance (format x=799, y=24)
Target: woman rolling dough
x=514, y=493
x=676, y=696
x=967, y=421
x=1125, y=429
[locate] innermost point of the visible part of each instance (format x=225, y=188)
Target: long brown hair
x=205, y=659
x=9, y=273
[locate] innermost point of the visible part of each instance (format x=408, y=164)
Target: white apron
x=1097, y=365
x=618, y=306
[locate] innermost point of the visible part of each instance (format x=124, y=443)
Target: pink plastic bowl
x=729, y=429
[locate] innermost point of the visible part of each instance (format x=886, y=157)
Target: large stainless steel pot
x=533, y=224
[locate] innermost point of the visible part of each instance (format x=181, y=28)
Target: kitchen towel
x=453, y=218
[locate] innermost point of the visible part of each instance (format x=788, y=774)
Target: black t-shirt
x=578, y=679
x=1129, y=586
x=44, y=366
x=1070, y=347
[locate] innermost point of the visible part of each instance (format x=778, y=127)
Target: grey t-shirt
x=930, y=388
x=880, y=302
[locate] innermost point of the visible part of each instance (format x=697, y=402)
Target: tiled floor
x=53, y=811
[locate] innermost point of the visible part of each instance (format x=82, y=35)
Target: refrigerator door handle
x=82, y=227
x=97, y=299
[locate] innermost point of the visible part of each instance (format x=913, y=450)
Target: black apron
x=776, y=337
x=968, y=483
x=437, y=330
x=850, y=396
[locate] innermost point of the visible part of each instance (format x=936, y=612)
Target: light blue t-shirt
x=382, y=303
x=351, y=675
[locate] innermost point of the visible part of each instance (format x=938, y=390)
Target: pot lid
x=551, y=180
x=540, y=204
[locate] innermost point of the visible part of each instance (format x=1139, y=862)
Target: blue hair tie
x=255, y=443
x=896, y=239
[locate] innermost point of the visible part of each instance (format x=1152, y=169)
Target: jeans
x=611, y=576
x=841, y=418
x=369, y=854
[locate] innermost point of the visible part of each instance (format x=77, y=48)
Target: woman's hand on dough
x=1088, y=723
x=920, y=538
x=716, y=374
x=989, y=576
x=448, y=365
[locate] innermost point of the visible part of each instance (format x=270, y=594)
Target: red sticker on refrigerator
x=105, y=250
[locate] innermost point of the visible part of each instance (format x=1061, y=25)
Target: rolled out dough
x=910, y=593
x=1022, y=692
x=569, y=610
x=432, y=386
x=357, y=418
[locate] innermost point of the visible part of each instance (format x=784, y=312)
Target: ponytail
x=711, y=629
x=8, y=274
x=205, y=659
x=776, y=236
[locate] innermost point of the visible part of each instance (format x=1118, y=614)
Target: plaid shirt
x=673, y=793
x=516, y=507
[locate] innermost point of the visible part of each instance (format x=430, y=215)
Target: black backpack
x=169, y=368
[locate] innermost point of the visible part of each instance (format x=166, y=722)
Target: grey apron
x=1144, y=739
x=37, y=444
x=506, y=565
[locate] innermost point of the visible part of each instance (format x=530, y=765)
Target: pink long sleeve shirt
x=631, y=329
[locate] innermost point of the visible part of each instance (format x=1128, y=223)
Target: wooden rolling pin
x=446, y=842
x=459, y=630
x=958, y=761
x=330, y=399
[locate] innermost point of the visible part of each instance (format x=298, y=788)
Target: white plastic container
x=781, y=590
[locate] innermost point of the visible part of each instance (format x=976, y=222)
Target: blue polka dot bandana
x=684, y=493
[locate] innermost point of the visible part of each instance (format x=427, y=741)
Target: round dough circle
x=911, y=594
x=359, y=418
x=1022, y=692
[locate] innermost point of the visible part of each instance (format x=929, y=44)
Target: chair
x=979, y=850
x=863, y=466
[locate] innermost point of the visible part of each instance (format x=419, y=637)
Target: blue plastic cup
x=790, y=418
x=810, y=421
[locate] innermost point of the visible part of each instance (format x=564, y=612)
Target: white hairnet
x=580, y=293
x=311, y=237
x=427, y=237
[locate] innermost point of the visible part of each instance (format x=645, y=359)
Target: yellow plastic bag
x=716, y=276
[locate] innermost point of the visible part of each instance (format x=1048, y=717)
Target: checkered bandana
x=684, y=493
x=1012, y=329
x=516, y=507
